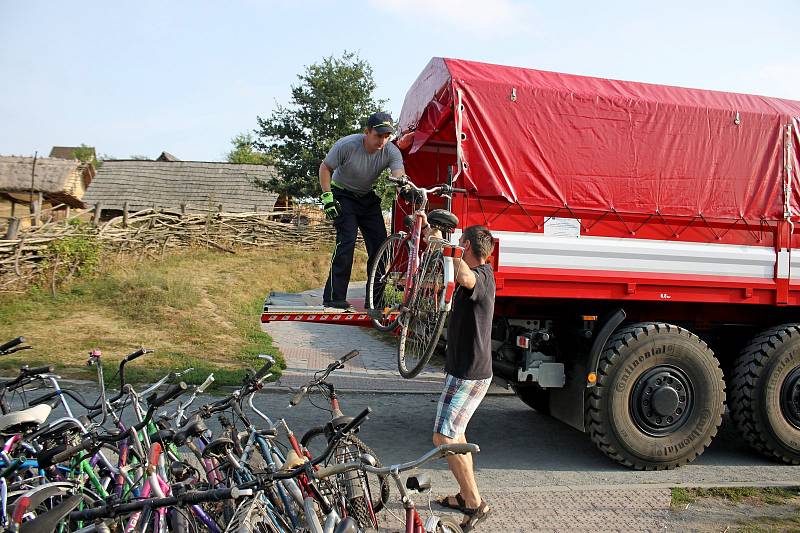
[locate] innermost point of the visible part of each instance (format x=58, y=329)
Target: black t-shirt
x=469, y=330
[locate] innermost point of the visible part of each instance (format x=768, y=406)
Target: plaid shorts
x=457, y=404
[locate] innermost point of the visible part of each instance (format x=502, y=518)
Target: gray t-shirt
x=354, y=168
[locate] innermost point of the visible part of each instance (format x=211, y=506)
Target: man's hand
x=331, y=206
x=405, y=140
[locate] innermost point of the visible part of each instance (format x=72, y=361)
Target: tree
x=334, y=99
x=244, y=151
x=86, y=154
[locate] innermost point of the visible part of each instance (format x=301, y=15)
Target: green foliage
x=334, y=99
x=245, y=153
x=70, y=257
x=86, y=154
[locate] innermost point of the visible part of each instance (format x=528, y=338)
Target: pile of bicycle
x=147, y=460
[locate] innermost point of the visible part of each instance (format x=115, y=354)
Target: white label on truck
x=562, y=227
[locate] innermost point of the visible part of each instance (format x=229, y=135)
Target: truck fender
x=611, y=321
x=568, y=404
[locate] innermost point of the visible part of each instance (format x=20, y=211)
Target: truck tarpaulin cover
x=549, y=140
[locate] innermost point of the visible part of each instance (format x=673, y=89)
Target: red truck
x=644, y=238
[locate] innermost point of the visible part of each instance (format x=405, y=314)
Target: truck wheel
x=659, y=397
x=765, y=395
x=534, y=397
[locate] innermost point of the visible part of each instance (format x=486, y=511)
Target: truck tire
x=765, y=393
x=659, y=397
x=534, y=397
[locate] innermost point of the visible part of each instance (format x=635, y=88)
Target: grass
x=763, y=495
x=196, y=307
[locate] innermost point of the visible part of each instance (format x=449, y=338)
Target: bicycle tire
x=379, y=498
x=378, y=298
x=448, y=524
x=422, y=324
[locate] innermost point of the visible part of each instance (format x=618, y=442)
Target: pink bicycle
x=412, y=279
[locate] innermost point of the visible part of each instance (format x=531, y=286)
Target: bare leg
x=461, y=467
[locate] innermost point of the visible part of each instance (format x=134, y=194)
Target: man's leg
x=372, y=226
x=461, y=467
x=346, y=225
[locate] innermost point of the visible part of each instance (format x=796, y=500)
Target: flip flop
x=474, y=516
x=445, y=502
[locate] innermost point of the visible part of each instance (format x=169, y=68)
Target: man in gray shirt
x=346, y=176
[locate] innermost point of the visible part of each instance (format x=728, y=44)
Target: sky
x=138, y=78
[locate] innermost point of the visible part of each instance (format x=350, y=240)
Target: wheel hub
x=661, y=400
x=790, y=397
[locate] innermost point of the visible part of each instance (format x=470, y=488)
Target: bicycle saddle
x=218, y=448
x=25, y=419
x=442, y=219
x=194, y=428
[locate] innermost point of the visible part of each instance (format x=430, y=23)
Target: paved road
x=538, y=473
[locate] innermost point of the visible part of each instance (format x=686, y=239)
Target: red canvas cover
x=549, y=140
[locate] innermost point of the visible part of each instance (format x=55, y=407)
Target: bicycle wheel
x=448, y=525
x=316, y=442
x=385, y=284
x=421, y=326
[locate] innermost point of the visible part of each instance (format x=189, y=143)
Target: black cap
x=381, y=122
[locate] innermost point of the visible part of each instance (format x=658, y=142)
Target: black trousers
x=358, y=213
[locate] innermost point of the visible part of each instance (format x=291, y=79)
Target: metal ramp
x=289, y=307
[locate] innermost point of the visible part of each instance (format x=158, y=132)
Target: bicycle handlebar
x=206, y=384
x=138, y=353
x=10, y=344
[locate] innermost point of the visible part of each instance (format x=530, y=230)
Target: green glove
x=331, y=206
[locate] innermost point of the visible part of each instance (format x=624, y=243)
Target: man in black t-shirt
x=468, y=366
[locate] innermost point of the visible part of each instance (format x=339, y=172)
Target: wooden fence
x=150, y=233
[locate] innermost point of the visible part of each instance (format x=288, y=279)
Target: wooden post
x=98, y=210
x=13, y=207
x=183, y=208
x=219, y=208
x=125, y=214
x=66, y=216
x=36, y=209
x=13, y=228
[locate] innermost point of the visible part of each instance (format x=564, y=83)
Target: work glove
x=331, y=206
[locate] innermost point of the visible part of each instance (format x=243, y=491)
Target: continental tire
x=765, y=393
x=659, y=397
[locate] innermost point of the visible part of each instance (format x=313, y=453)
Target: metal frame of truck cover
x=604, y=189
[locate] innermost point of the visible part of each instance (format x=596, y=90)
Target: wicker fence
x=151, y=233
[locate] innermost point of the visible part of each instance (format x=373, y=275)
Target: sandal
x=474, y=516
x=460, y=504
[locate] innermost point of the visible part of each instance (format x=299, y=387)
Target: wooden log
x=125, y=214
x=13, y=228
x=98, y=210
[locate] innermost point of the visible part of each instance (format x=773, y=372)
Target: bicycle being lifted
x=412, y=279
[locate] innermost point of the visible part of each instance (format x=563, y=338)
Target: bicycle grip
x=135, y=355
x=298, y=397
x=171, y=393
x=456, y=189
x=357, y=421
x=71, y=451
x=348, y=356
x=206, y=384
x=263, y=371
x=460, y=447
x=334, y=469
x=37, y=370
x=10, y=344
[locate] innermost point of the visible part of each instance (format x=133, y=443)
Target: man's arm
x=324, y=177
x=399, y=172
x=464, y=274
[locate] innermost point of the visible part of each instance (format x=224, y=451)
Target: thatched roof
x=54, y=178
x=201, y=186
x=66, y=152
